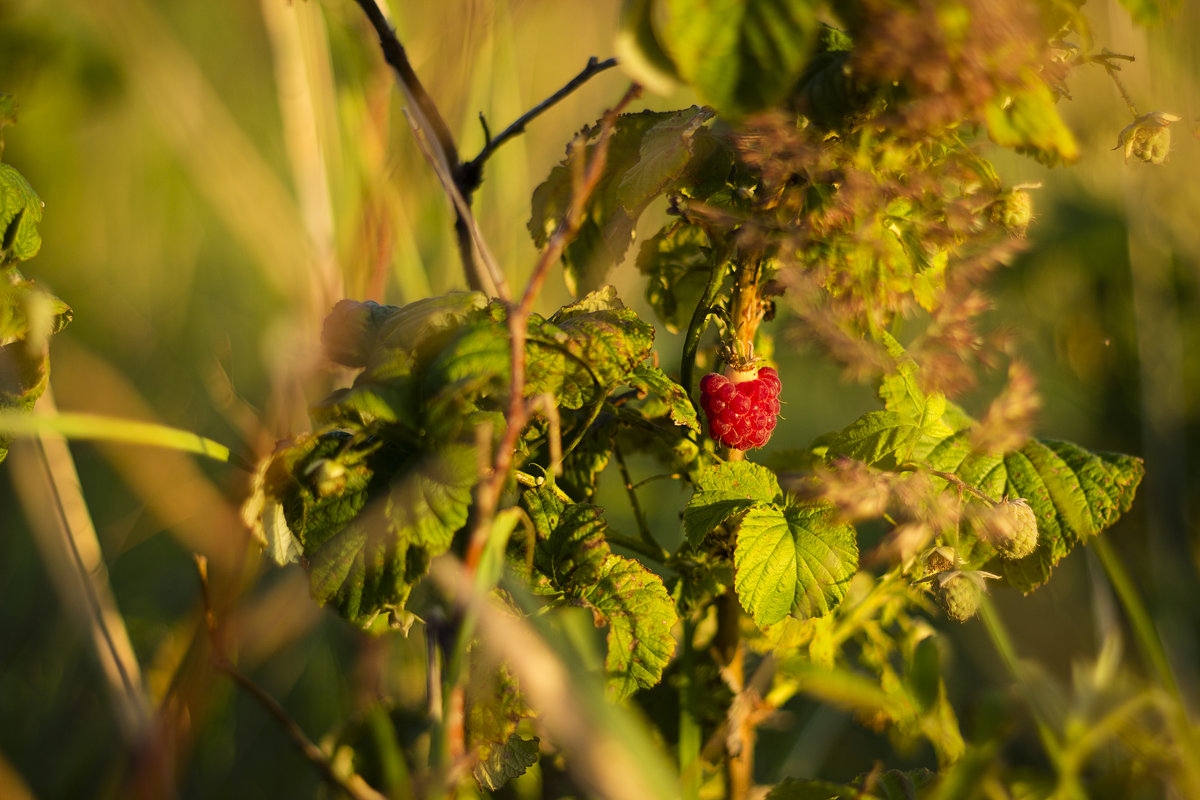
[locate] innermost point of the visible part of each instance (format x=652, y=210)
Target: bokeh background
x=216, y=175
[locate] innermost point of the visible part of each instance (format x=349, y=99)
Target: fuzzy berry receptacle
x=742, y=406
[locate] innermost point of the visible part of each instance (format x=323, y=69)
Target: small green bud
x=958, y=595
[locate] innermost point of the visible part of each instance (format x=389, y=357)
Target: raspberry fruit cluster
x=741, y=410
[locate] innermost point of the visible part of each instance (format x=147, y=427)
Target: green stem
x=639, y=513
x=691, y=342
x=96, y=427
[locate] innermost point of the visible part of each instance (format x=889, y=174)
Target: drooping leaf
x=796, y=560
x=354, y=332
x=570, y=550
x=654, y=382
x=571, y=556
x=1075, y=493
x=725, y=490
x=1026, y=119
x=640, y=616
x=647, y=154
x=20, y=213
x=741, y=56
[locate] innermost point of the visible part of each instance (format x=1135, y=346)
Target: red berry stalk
x=742, y=408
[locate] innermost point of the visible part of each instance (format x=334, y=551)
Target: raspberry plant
x=834, y=181
x=831, y=184
x=831, y=172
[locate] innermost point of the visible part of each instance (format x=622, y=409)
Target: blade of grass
x=101, y=428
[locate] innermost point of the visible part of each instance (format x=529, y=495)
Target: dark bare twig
x=460, y=180
x=354, y=785
x=441, y=153
x=472, y=171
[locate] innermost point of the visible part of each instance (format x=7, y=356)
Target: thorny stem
x=587, y=176
x=354, y=785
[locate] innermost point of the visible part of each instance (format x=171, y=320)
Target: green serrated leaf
x=606, y=340
x=649, y=152
x=500, y=764
x=494, y=710
x=640, y=616
x=1075, y=493
x=571, y=549
x=650, y=380
x=797, y=560
x=366, y=520
x=582, y=466
x=741, y=56
x=571, y=556
x=891, y=437
x=725, y=490
x=20, y=213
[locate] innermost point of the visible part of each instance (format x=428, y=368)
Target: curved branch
x=472, y=171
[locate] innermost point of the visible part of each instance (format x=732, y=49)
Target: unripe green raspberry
x=1011, y=528
x=958, y=595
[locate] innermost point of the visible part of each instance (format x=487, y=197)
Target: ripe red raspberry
x=742, y=408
